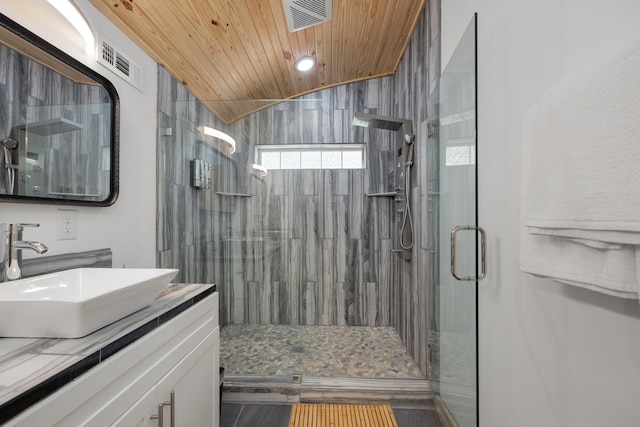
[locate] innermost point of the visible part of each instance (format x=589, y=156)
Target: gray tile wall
x=308, y=247
x=414, y=84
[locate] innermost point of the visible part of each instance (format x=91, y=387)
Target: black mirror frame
x=48, y=48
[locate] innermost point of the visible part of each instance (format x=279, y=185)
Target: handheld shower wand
x=9, y=144
x=407, y=220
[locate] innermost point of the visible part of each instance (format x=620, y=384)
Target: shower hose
x=7, y=145
x=406, y=217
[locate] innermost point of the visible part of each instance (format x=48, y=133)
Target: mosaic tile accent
x=318, y=351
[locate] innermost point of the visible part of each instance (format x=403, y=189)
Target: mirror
x=58, y=125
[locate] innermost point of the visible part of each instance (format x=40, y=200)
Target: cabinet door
x=194, y=383
x=194, y=387
x=139, y=415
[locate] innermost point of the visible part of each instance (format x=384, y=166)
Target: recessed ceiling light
x=305, y=63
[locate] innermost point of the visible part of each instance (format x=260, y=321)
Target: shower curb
x=399, y=393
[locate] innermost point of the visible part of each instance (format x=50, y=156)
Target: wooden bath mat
x=320, y=415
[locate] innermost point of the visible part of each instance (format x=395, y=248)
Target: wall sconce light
x=77, y=19
x=305, y=63
x=261, y=169
x=220, y=135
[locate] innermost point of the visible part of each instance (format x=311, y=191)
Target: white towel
x=612, y=238
x=585, y=154
x=610, y=271
x=574, y=256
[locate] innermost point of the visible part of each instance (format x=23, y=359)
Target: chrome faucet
x=11, y=247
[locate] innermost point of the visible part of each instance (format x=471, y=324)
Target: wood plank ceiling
x=243, y=51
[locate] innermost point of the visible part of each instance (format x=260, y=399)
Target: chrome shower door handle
x=483, y=253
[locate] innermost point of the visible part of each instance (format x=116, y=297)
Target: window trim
x=300, y=148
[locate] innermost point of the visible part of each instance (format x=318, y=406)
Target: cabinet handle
x=172, y=399
x=160, y=416
x=172, y=404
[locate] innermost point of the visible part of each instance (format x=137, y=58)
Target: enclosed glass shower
x=317, y=282
x=313, y=259
x=308, y=257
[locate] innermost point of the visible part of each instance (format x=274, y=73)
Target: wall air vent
x=119, y=63
x=306, y=13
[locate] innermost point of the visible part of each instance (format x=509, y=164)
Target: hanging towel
x=585, y=153
x=611, y=238
x=610, y=271
x=573, y=256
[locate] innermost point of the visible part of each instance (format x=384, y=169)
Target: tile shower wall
x=293, y=247
x=303, y=246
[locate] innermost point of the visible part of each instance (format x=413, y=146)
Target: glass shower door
x=458, y=235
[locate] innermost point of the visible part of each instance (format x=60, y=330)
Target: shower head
x=9, y=143
x=382, y=122
x=378, y=122
x=409, y=138
x=52, y=127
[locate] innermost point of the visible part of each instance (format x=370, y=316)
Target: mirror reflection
x=58, y=125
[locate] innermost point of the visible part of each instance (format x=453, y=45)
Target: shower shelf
x=224, y=194
x=434, y=193
x=388, y=194
x=248, y=239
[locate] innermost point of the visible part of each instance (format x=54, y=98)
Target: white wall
x=550, y=355
x=128, y=227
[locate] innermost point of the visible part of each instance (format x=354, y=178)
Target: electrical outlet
x=67, y=224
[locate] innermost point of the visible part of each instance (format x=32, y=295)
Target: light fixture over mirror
x=61, y=126
x=231, y=143
x=72, y=14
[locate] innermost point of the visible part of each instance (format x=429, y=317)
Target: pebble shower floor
x=316, y=351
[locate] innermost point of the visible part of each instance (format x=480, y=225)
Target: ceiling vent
x=306, y=13
x=119, y=63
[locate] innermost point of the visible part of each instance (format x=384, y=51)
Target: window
x=316, y=156
x=460, y=152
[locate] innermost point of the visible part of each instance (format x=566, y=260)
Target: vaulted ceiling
x=242, y=50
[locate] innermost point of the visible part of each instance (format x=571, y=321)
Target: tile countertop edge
x=109, y=340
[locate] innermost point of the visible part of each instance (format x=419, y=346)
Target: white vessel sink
x=75, y=303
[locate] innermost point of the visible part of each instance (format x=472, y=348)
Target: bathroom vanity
x=156, y=367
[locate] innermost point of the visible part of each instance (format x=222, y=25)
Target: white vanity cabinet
x=178, y=358
x=183, y=396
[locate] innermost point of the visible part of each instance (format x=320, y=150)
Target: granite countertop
x=32, y=368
